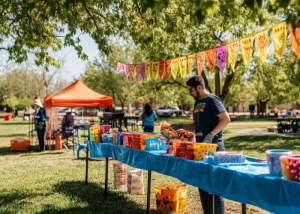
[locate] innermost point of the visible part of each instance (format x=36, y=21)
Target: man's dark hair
x=195, y=81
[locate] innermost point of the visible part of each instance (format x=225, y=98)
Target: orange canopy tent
x=78, y=95
x=75, y=95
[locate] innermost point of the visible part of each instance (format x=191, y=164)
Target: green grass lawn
x=53, y=182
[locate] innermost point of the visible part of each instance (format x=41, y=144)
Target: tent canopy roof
x=78, y=95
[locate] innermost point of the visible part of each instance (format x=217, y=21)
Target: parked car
x=169, y=111
x=138, y=112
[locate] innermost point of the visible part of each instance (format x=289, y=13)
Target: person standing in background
x=148, y=117
x=40, y=119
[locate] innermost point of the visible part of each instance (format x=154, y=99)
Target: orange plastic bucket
x=7, y=117
x=58, y=142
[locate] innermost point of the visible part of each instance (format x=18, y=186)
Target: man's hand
x=208, y=138
x=177, y=126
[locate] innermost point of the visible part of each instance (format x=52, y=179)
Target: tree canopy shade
x=40, y=27
x=78, y=95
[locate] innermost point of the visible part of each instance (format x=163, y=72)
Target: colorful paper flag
x=161, y=69
x=182, y=66
x=155, y=70
x=232, y=50
x=247, y=49
x=191, y=62
x=221, y=57
x=174, y=67
x=148, y=71
x=262, y=43
x=142, y=72
x=279, y=39
x=121, y=67
x=137, y=71
x=200, y=62
x=295, y=39
x=211, y=59
x=131, y=70
x=167, y=68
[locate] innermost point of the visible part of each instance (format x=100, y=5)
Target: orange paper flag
x=211, y=59
x=167, y=68
x=161, y=69
x=191, y=61
x=247, y=49
x=232, y=50
x=200, y=62
x=295, y=39
x=182, y=66
x=262, y=43
x=155, y=70
x=174, y=67
x=279, y=39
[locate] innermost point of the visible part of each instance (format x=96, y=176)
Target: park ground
x=53, y=182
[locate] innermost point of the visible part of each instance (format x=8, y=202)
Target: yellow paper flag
x=247, y=49
x=174, y=67
x=191, y=62
x=232, y=50
x=279, y=39
x=147, y=71
x=262, y=43
x=155, y=70
x=182, y=66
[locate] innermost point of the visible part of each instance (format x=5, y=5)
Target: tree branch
x=140, y=13
x=218, y=37
x=91, y=16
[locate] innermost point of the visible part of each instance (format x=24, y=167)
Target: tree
x=40, y=27
x=12, y=101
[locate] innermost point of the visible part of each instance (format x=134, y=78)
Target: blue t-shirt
x=205, y=117
x=149, y=120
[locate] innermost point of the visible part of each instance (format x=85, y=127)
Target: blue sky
x=73, y=66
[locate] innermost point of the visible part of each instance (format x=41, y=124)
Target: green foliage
x=23, y=103
x=12, y=101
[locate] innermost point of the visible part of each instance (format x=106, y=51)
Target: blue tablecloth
x=247, y=183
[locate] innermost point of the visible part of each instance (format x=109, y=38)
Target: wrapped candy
x=181, y=134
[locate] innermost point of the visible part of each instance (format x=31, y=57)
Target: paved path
x=261, y=131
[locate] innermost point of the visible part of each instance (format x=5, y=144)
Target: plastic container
x=290, y=165
x=19, y=144
x=273, y=160
x=58, y=142
x=7, y=117
x=200, y=150
x=171, y=197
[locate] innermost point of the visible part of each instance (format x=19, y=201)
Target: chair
x=80, y=147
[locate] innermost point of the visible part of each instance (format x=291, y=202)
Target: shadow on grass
x=261, y=143
x=14, y=123
x=93, y=196
x=13, y=135
x=33, y=151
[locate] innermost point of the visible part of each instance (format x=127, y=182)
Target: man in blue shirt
x=210, y=119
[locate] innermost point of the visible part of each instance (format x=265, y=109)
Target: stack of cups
x=120, y=176
x=135, y=182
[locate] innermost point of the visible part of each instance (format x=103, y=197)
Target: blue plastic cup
x=273, y=160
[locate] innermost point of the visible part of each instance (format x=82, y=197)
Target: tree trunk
x=227, y=83
x=261, y=107
x=218, y=83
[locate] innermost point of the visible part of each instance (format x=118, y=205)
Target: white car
x=168, y=111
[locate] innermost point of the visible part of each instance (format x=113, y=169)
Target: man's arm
x=224, y=120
